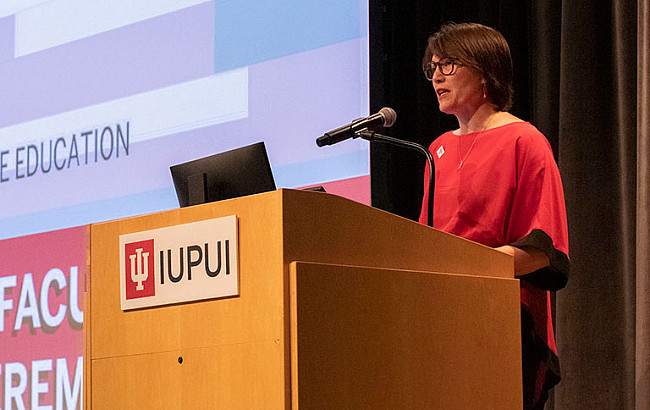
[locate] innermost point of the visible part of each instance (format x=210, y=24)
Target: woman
x=497, y=183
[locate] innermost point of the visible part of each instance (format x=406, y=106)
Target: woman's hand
x=527, y=259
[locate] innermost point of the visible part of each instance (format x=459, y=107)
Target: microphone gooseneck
x=373, y=136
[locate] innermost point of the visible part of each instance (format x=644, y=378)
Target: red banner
x=42, y=279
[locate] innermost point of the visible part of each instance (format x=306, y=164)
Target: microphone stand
x=369, y=135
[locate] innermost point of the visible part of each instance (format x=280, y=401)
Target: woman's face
x=461, y=92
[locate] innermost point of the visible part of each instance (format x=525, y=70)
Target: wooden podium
x=341, y=306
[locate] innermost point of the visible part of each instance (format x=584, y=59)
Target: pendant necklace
x=462, y=159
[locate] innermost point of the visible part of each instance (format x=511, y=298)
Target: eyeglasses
x=447, y=66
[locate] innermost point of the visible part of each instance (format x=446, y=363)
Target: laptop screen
x=231, y=174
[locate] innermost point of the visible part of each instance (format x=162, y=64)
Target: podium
x=340, y=306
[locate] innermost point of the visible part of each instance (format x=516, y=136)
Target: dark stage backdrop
x=582, y=77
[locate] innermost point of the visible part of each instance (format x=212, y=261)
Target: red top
x=508, y=185
x=508, y=191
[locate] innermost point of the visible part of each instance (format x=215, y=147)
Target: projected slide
x=41, y=316
x=101, y=97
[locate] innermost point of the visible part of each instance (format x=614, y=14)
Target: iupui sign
x=181, y=263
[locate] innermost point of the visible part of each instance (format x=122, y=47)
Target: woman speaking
x=497, y=183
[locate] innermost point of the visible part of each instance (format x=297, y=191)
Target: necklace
x=462, y=159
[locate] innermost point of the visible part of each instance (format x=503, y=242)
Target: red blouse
x=508, y=191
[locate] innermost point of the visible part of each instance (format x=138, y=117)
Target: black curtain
x=596, y=313
x=581, y=80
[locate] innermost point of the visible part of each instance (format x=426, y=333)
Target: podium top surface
x=325, y=228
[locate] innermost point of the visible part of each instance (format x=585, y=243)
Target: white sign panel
x=179, y=263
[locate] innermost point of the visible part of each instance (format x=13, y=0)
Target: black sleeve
x=553, y=277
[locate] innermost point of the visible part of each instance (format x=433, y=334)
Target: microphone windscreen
x=390, y=116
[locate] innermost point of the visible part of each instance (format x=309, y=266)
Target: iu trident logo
x=139, y=269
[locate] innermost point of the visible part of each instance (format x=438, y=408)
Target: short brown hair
x=482, y=48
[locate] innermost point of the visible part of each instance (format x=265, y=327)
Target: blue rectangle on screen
x=7, y=38
x=248, y=32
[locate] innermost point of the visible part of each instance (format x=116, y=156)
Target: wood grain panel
x=219, y=377
x=255, y=318
x=367, y=338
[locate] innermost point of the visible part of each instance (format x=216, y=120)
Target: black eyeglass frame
x=447, y=67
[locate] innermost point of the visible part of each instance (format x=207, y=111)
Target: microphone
x=384, y=118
